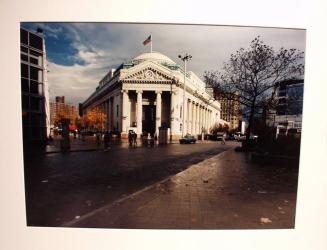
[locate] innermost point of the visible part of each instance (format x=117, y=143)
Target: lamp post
x=184, y=58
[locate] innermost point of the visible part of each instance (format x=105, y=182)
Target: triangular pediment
x=148, y=72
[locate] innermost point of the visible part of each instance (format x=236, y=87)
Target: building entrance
x=149, y=119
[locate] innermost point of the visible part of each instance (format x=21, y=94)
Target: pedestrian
x=106, y=140
x=155, y=137
x=223, y=139
x=134, y=139
x=130, y=138
x=98, y=135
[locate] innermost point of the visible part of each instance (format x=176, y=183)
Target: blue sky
x=80, y=54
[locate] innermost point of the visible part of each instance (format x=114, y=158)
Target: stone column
x=197, y=122
x=185, y=112
x=208, y=120
x=188, y=110
x=174, y=113
x=205, y=119
x=202, y=123
x=158, y=111
x=200, y=118
x=139, y=112
x=193, y=118
x=124, y=111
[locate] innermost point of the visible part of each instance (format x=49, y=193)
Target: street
x=60, y=187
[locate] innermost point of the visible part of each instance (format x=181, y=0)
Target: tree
x=95, y=118
x=253, y=73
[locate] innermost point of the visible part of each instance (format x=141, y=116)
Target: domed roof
x=154, y=56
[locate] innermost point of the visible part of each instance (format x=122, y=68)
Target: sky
x=80, y=54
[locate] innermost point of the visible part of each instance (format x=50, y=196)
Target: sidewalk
x=76, y=145
x=226, y=191
x=79, y=145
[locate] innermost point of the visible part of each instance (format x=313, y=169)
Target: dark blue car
x=187, y=139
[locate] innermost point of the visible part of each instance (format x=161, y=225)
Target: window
x=35, y=53
x=297, y=125
x=23, y=57
x=117, y=110
x=24, y=70
x=23, y=36
x=34, y=60
x=35, y=74
x=34, y=87
x=36, y=41
x=24, y=85
x=23, y=49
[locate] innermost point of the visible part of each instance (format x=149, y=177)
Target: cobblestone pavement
x=62, y=186
x=226, y=191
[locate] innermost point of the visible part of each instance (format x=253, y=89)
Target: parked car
x=187, y=139
x=240, y=137
x=253, y=137
x=219, y=136
x=231, y=137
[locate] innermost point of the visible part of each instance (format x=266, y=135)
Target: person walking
x=106, y=140
x=134, y=139
x=130, y=138
x=223, y=141
x=98, y=135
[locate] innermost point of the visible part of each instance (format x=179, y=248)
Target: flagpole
x=151, y=44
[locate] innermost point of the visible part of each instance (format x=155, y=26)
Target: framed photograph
x=138, y=138
x=166, y=131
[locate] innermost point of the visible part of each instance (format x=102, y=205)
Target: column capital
x=174, y=92
x=124, y=91
x=158, y=92
x=139, y=91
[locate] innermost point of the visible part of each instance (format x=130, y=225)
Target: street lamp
x=184, y=58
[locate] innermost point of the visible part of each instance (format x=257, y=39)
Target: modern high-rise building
x=34, y=87
x=288, y=113
x=230, y=109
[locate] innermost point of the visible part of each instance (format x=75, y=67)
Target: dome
x=154, y=56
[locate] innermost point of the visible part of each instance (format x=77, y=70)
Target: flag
x=149, y=39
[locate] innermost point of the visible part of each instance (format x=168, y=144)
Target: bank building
x=146, y=94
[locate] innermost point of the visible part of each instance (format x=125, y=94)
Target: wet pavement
x=226, y=191
x=63, y=186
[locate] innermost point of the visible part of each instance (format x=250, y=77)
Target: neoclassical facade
x=148, y=93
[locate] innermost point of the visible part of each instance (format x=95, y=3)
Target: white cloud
x=75, y=82
x=103, y=46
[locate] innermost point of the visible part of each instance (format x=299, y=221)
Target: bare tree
x=251, y=75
